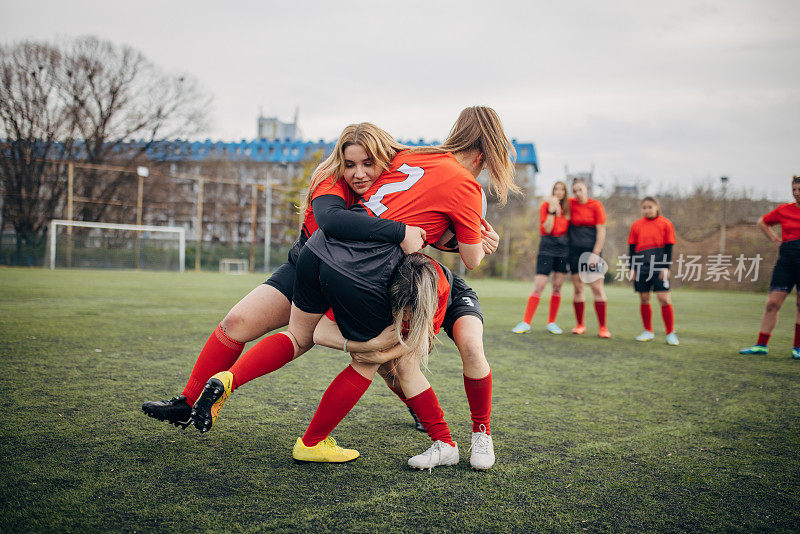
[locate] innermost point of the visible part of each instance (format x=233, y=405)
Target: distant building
x=626, y=191
x=586, y=177
x=274, y=129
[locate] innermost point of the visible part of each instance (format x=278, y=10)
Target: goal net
x=91, y=245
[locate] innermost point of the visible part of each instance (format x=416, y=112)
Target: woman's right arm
x=333, y=217
x=768, y=231
x=471, y=254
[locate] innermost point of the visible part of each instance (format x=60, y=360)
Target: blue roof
x=278, y=151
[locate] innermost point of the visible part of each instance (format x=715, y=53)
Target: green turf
x=597, y=435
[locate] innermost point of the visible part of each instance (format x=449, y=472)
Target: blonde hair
x=654, y=201
x=479, y=128
x=564, y=201
x=380, y=147
x=413, y=288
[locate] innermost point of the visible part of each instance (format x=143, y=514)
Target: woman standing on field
x=552, y=257
x=786, y=274
x=587, y=235
x=650, y=245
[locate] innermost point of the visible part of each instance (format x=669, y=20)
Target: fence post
x=268, y=224
x=70, y=187
x=253, y=213
x=199, y=224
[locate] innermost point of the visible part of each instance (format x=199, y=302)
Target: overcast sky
x=672, y=93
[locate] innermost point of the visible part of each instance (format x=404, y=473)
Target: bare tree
x=90, y=100
x=35, y=125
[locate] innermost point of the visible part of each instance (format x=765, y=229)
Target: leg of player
x=578, y=302
x=262, y=310
x=796, y=344
x=600, y=299
x=768, y=321
x=423, y=400
x=390, y=377
x=539, y=283
x=668, y=315
x=555, y=303
x=647, y=317
x=468, y=336
x=344, y=392
x=266, y=356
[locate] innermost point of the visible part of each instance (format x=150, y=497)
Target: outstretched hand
x=414, y=240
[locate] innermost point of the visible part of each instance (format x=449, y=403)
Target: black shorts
x=283, y=279
x=574, y=258
x=545, y=264
x=361, y=313
x=786, y=274
x=463, y=301
x=647, y=280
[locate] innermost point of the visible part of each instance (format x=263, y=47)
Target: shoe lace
x=436, y=447
x=481, y=441
x=330, y=443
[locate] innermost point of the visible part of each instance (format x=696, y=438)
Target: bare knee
x=773, y=307
x=233, y=324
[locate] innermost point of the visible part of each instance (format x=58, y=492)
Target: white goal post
x=234, y=266
x=180, y=231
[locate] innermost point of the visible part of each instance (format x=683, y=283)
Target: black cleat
x=175, y=411
x=417, y=422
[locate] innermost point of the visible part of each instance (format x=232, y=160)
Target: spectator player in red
x=552, y=258
x=433, y=187
x=361, y=153
x=786, y=274
x=650, y=244
x=587, y=235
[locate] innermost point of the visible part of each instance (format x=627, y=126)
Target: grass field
x=590, y=435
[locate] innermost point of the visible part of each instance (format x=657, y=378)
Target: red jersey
x=560, y=224
x=326, y=187
x=651, y=233
x=429, y=191
x=788, y=216
x=590, y=214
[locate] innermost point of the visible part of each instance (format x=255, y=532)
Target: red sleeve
x=599, y=213
x=669, y=231
x=542, y=216
x=634, y=235
x=338, y=188
x=467, y=206
x=772, y=218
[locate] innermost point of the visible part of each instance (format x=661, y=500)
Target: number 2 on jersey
x=414, y=174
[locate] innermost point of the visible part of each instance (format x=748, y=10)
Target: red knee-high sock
x=600, y=309
x=763, y=339
x=578, y=311
x=336, y=403
x=430, y=414
x=266, y=356
x=555, y=302
x=647, y=316
x=796, y=335
x=668, y=314
x=530, y=309
x=218, y=354
x=479, y=397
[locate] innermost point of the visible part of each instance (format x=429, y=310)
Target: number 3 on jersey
x=414, y=174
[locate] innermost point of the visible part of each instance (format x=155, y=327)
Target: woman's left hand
x=489, y=238
x=379, y=356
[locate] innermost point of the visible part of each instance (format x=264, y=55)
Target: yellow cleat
x=325, y=451
x=207, y=408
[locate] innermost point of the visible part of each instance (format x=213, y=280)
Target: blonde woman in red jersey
x=786, y=274
x=650, y=245
x=587, y=234
x=433, y=188
x=552, y=257
x=361, y=153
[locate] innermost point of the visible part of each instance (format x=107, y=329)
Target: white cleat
x=440, y=453
x=645, y=336
x=672, y=339
x=482, y=457
x=553, y=328
x=521, y=328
